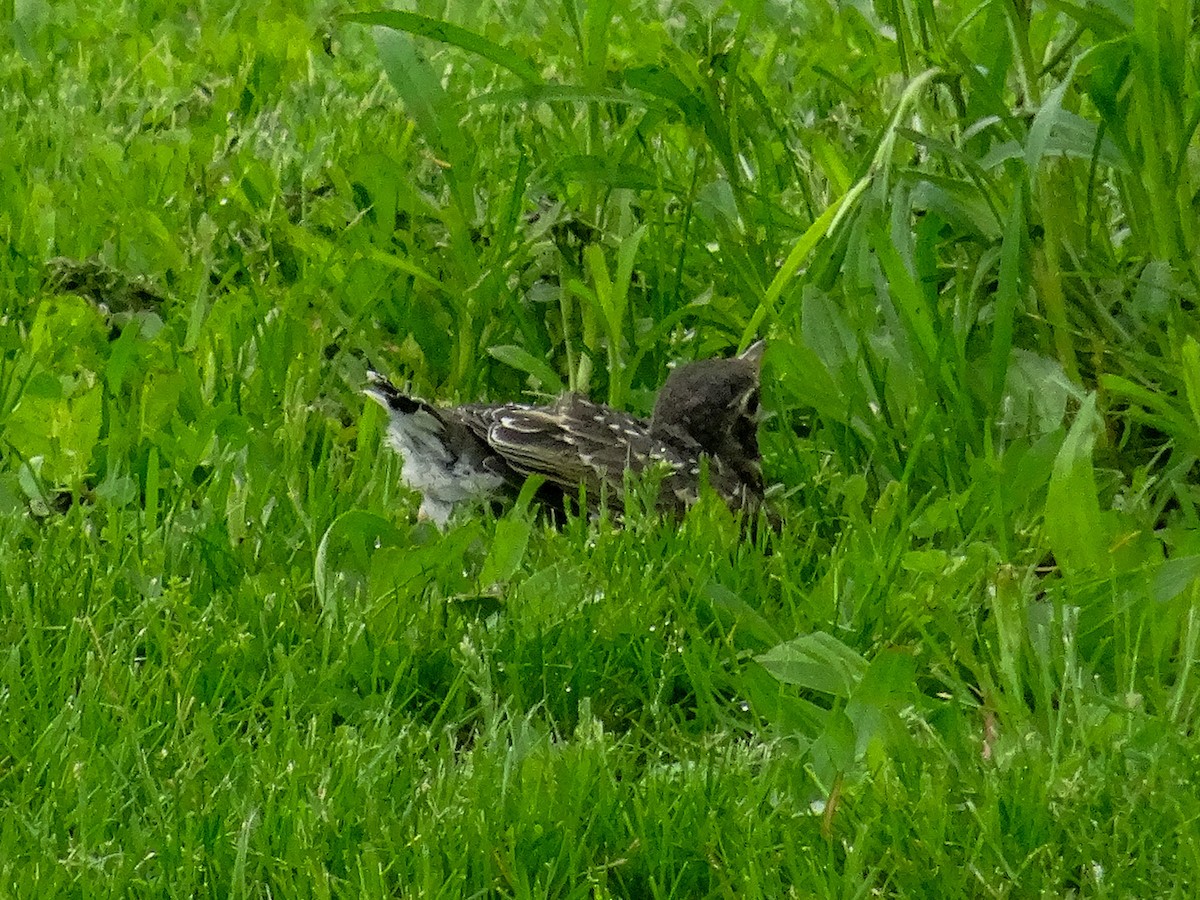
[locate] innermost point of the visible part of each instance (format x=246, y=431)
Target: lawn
x=233, y=663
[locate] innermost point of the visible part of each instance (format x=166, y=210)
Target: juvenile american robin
x=705, y=417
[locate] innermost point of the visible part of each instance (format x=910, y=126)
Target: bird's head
x=715, y=404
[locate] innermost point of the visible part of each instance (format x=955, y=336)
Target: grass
x=233, y=664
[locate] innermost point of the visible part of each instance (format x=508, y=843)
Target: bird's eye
x=750, y=405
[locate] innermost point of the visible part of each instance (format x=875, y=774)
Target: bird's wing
x=577, y=442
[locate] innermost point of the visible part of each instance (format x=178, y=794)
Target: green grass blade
x=1008, y=292
x=454, y=35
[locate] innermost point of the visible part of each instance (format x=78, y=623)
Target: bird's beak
x=378, y=388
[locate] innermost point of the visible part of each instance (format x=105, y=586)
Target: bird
x=705, y=420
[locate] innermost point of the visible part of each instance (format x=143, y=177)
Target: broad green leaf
x=818, y=662
x=595, y=170
x=1190, y=357
x=1174, y=577
x=405, y=265
x=507, y=551
x=346, y=547
x=421, y=90
x=122, y=356
x=887, y=685
x=511, y=537
x=63, y=431
x=888, y=682
x=778, y=704
x=828, y=333
x=524, y=361
x=659, y=81
x=910, y=304
x=420, y=87
x=806, y=380
x=835, y=750
x=1037, y=394
x=929, y=561
x=1008, y=292
x=737, y=615
x=1074, y=524
x=1008, y=609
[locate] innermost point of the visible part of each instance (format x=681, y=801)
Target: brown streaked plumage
x=706, y=416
